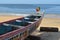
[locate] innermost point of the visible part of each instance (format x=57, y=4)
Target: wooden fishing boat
x=19, y=28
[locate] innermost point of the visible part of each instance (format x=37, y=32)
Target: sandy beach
x=48, y=22
x=7, y=18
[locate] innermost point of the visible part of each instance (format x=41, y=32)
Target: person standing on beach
x=38, y=12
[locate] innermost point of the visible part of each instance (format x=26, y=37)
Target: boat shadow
x=49, y=35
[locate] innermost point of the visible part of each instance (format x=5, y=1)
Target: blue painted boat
x=19, y=28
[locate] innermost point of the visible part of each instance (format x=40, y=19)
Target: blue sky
x=29, y=1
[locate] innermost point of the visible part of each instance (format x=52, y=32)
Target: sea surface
x=29, y=9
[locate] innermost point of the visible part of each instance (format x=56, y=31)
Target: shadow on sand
x=45, y=36
x=38, y=35
x=49, y=36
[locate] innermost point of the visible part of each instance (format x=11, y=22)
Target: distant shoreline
x=48, y=15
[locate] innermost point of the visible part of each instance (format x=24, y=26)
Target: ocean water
x=29, y=8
